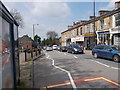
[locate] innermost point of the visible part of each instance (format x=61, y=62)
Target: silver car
x=49, y=48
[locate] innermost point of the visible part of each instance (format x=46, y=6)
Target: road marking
x=102, y=78
x=110, y=81
x=70, y=77
x=63, y=84
x=65, y=53
x=48, y=56
x=92, y=79
x=105, y=65
x=75, y=56
x=115, y=68
x=102, y=64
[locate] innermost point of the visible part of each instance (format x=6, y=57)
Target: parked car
x=107, y=51
x=54, y=47
x=74, y=48
x=63, y=48
x=58, y=48
x=49, y=48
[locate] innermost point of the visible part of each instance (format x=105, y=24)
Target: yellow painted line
x=102, y=78
x=59, y=85
x=110, y=81
x=92, y=79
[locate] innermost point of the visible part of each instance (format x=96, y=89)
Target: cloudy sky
x=54, y=16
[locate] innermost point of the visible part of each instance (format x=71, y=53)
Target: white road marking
x=70, y=77
x=65, y=53
x=75, y=56
x=115, y=68
x=105, y=65
x=102, y=64
x=48, y=56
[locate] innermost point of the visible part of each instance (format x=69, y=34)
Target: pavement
x=75, y=71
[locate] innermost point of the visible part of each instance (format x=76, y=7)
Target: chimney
x=70, y=26
x=117, y=4
x=101, y=12
x=92, y=17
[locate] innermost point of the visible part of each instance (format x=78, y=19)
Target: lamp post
x=33, y=60
x=34, y=30
x=94, y=20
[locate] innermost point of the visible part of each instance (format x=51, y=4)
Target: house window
x=77, y=32
x=102, y=24
x=117, y=19
x=81, y=31
x=92, y=29
x=87, y=28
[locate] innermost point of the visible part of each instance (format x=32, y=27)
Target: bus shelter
x=9, y=55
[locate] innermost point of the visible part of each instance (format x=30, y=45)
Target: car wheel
x=95, y=55
x=73, y=52
x=67, y=51
x=116, y=58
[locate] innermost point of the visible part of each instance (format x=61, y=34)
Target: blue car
x=107, y=51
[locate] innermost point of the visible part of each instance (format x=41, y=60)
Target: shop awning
x=103, y=32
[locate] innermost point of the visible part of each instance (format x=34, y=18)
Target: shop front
x=103, y=38
x=89, y=41
x=115, y=37
x=68, y=41
x=80, y=40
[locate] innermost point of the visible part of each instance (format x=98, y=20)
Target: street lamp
x=94, y=20
x=34, y=30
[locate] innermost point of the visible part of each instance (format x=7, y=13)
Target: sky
x=54, y=16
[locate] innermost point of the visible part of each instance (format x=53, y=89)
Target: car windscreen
x=65, y=47
x=116, y=48
x=76, y=46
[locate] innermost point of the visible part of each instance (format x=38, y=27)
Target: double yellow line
x=102, y=78
x=92, y=79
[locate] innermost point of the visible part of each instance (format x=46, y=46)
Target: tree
x=37, y=39
x=17, y=16
x=51, y=35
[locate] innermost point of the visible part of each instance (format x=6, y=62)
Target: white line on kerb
x=102, y=64
x=70, y=77
x=75, y=56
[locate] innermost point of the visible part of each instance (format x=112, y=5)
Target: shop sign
x=81, y=38
x=72, y=39
x=104, y=32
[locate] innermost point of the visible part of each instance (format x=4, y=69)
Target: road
x=66, y=70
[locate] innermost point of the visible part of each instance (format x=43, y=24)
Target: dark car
x=107, y=51
x=63, y=48
x=74, y=48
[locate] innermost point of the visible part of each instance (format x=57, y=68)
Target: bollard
x=25, y=55
x=39, y=51
x=31, y=53
x=36, y=52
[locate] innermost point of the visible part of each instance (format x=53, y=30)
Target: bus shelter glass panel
x=0, y=53
x=7, y=67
